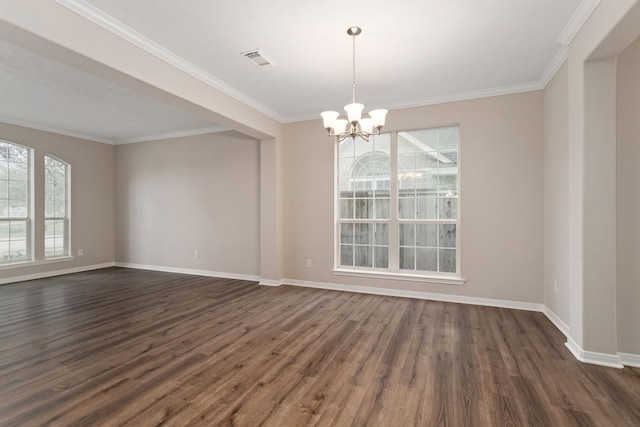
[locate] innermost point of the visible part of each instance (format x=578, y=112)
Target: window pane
x=346, y=208
x=407, y=235
x=426, y=208
x=4, y=170
x=17, y=241
x=406, y=208
x=60, y=208
x=5, y=237
x=426, y=259
x=381, y=257
x=56, y=205
x=364, y=208
x=382, y=208
x=363, y=256
x=346, y=233
x=448, y=208
x=346, y=255
x=54, y=238
x=381, y=234
x=447, y=236
x=407, y=258
x=426, y=235
x=18, y=171
x=448, y=260
x=363, y=234
x=17, y=154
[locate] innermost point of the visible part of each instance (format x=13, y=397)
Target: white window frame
x=393, y=271
x=67, y=218
x=29, y=218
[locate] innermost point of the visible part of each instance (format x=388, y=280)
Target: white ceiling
x=411, y=52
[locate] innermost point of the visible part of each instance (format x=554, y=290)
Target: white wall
x=501, y=157
x=628, y=200
x=556, y=202
x=92, y=197
x=185, y=194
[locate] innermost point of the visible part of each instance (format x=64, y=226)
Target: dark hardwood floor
x=130, y=347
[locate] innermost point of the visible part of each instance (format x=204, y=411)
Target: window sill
x=24, y=264
x=443, y=280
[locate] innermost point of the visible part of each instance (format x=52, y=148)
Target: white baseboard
x=418, y=295
x=628, y=359
x=267, y=282
x=207, y=273
x=557, y=321
x=54, y=273
x=602, y=359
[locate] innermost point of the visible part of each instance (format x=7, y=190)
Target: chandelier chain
x=354, y=70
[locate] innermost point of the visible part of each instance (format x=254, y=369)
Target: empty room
x=290, y=213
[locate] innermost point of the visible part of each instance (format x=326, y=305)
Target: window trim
x=396, y=273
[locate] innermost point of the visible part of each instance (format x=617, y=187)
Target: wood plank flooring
x=128, y=347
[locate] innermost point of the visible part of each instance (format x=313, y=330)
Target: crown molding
x=50, y=129
x=179, y=134
x=556, y=63
x=116, y=27
x=95, y=15
x=577, y=20
x=443, y=99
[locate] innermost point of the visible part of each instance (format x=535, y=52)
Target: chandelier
x=354, y=125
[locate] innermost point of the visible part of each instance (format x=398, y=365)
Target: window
x=56, y=208
x=15, y=203
x=398, y=203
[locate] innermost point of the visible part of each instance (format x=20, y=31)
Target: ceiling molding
x=580, y=16
x=179, y=134
x=556, y=62
x=116, y=27
x=95, y=15
x=37, y=126
x=443, y=99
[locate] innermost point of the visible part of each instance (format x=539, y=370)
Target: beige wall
x=628, y=200
x=185, y=194
x=501, y=157
x=92, y=201
x=556, y=188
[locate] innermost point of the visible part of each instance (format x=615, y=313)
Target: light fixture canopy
x=355, y=125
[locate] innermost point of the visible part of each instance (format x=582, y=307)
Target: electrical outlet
x=196, y=254
x=308, y=263
x=80, y=252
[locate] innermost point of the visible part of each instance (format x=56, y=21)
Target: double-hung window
x=56, y=208
x=397, y=203
x=15, y=203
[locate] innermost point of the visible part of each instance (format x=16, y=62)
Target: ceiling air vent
x=258, y=58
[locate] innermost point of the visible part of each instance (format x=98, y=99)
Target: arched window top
x=375, y=163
